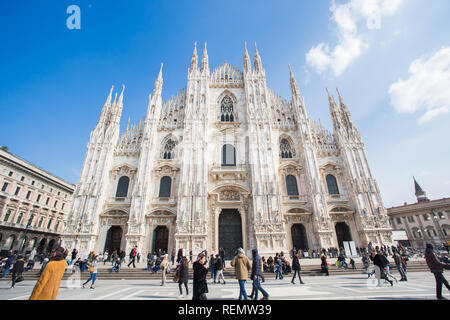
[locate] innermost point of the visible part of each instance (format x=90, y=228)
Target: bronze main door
x=160, y=239
x=230, y=232
x=299, y=239
x=113, y=239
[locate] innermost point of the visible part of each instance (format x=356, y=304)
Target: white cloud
x=349, y=17
x=427, y=88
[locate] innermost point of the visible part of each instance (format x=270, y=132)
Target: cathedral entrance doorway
x=299, y=239
x=113, y=239
x=230, y=232
x=342, y=233
x=160, y=238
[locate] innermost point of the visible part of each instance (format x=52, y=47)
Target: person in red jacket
x=437, y=268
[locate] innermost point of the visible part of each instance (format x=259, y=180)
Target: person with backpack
x=366, y=262
x=133, y=257
x=296, y=268
x=218, y=269
x=398, y=264
x=380, y=262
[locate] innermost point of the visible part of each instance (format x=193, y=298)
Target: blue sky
x=55, y=80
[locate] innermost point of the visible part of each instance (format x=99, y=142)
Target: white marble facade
x=269, y=140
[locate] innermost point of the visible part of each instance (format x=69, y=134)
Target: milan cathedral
x=225, y=163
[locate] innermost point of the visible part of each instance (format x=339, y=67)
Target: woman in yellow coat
x=47, y=286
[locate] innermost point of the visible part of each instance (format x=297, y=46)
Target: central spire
x=295, y=91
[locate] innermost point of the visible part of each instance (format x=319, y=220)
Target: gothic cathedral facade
x=225, y=163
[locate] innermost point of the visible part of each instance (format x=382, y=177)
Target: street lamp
x=24, y=235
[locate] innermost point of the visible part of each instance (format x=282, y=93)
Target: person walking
x=17, y=270
x=47, y=286
x=179, y=255
x=183, y=274
x=105, y=257
x=222, y=256
x=8, y=264
x=437, y=268
x=366, y=262
x=190, y=256
x=380, y=262
x=398, y=264
x=164, y=264
x=212, y=261
x=277, y=264
x=92, y=267
x=172, y=258
x=122, y=256
x=218, y=269
x=324, y=264
x=133, y=257
x=200, y=286
x=74, y=255
x=296, y=268
x=256, y=276
x=241, y=266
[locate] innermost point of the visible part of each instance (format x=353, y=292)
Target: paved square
x=421, y=285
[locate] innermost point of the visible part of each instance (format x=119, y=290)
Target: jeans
x=402, y=272
x=5, y=272
x=218, y=275
x=257, y=286
x=211, y=270
x=439, y=276
x=92, y=277
x=278, y=273
x=242, y=292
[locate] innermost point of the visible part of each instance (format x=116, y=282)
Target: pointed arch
x=287, y=149
x=227, y=103
x=168, y=146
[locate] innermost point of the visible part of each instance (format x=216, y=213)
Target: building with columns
x=426, y=221
x=33, y=205
x=225, y=163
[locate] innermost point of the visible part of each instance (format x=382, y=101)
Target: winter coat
x=397, y=259
x=241, y=266
x=47, y=286
x=380, y=261
x=295, y=263
x=183, y=273
x=218, y=265
x=199, y=284
x=433, y=262
x=256, y=265
x=18, y=266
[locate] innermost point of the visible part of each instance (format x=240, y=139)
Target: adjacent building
x=225, y=163
x=423, y=221
x=33, y=205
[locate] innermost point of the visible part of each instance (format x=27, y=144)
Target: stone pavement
x=421, y=285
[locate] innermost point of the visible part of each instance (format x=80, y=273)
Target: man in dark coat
x=437, y=268
x=222, y=255
x=381, y=262
x=200, y=286
x=256, y=275
x=17, y=270
x=296, y=268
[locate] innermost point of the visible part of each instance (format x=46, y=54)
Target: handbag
x=19, y=278
x=176, y=277
x=91, y=269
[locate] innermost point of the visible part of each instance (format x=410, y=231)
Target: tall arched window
x=19, y=218
x=332, y=184
x=285, y=149
x=169, y=149
x=228, y=155
x=7, y=215
x=291, y=186
x=122, y=187
x=164, y=187
x=226, y=109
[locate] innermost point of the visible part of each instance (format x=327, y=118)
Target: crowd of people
x=375, y=261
